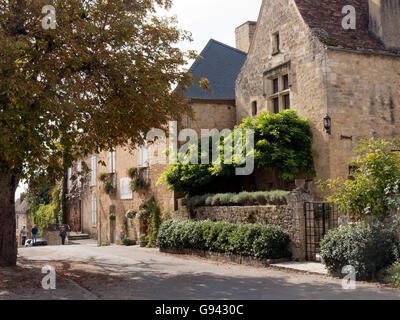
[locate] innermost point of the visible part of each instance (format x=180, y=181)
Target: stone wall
x=289, y=217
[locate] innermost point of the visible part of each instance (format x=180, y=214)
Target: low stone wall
x=52, y=237
x=224, y=257
x=289, y=217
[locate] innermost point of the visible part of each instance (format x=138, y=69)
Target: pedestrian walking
x=63, y=235
x=34, y=233
x=24, y=233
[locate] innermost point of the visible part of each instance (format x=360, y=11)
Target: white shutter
x=94, y=171
x=94, y=210
x=79, y=173
x=143, y=157
x=125, y=189
x=69, y=182
x=114, y=162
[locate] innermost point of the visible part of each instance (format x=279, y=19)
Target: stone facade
x=289, y=217
x=359, y=90
x=244, y=35
x=207, y=114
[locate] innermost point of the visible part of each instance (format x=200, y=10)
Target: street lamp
x=328, y=124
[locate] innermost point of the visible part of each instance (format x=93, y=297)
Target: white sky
x=216, y=19
x=207, y=19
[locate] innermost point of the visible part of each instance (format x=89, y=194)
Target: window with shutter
x=69, y=181
x=94, y=210
x=125, y=189
x=94, y=171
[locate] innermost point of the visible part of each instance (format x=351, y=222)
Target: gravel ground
x=89, y=272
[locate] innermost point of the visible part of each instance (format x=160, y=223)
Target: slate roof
x=221, y=65
x=327, y=15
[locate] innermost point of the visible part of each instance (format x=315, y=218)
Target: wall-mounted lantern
x=328, y=124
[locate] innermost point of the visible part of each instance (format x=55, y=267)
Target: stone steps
x=78, y=236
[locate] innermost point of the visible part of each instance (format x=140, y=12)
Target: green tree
x=374, y=185
x=283, y=143
x=101, y=78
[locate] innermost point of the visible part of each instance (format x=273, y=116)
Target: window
x=276, y=105
x=143, y=157
x=285, y=79
x=254, y=108
x=279, y=92
x=275, y=85
x=286, y=101
x=94, y=171
x=276, y=43
x=94, y=210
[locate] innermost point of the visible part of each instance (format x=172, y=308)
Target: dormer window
x=276, y=43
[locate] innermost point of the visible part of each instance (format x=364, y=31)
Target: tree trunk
x=8, y=240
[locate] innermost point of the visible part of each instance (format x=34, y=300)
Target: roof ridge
x=207, y=47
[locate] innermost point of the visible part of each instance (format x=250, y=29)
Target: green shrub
x=108, y=188
x=126, y=242
x=132, y=172
x=254, y=240
x=241, y=199
x=368, y=248
x=138, y=184
x=391, y=275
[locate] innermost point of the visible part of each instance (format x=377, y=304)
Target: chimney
x=244, y=34
x=384, y=22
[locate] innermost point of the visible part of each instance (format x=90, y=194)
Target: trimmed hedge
x=276, y=197
x=253, y=240
x=368, y=248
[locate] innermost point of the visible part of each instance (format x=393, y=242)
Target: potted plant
x=102, y=176
x=108, y=187
x=130, y=214
x=143, y=240
x=132, y=172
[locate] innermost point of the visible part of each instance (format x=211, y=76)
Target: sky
x=215, y=19
x=206, y=19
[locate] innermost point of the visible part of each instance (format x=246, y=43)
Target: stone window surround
x=268, y=78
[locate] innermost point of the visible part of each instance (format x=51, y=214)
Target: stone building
x=345, y=81
x=23, y=217
x=298, y=55
x=89, y=207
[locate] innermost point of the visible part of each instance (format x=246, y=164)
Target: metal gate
x=319, y=217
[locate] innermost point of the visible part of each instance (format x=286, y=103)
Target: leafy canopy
x=283, y=142
x=374, y=185
x=103, y=76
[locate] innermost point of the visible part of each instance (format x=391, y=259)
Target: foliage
x=132, y=172
x=112, y=217
x=49, y=213
x=366, y=247
x=65, y=92
x=108, y=188
x=103, y=176
x=374, y=186
x=391, y=274
x=154, y=222
x=241, y=199
x=143, y=214
x=283, y=143
x=138, y=184
x=263, y=242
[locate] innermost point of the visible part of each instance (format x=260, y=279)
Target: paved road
x=136, y=273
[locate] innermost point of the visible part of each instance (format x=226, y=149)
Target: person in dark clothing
x=63, y=235
x=34, y=233
x=24, y=233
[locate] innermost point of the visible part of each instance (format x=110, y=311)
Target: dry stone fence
x=291, y=217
